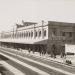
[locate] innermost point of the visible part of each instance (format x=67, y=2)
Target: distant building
x=59, y=34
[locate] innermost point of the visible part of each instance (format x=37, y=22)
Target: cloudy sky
x=14, y=11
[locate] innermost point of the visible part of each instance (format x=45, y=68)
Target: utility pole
x=42, y=27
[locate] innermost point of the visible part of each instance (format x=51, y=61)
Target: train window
x=44, y=32
x=31, y=34
x=39, y=33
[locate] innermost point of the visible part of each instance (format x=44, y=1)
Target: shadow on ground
x=4, y=71
x=3, y=58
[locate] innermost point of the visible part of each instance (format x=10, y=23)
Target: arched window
x=44, y=32
x=39, y=33
x=31, y=33
x=20, y=34
x=15, y=35
x=24, y=34
x=28, y=33
x=35, y=33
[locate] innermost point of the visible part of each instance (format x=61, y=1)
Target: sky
x=14, y=11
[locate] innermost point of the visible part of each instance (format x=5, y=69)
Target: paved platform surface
x=58, y=59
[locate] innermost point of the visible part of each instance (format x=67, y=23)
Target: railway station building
x=50, y=37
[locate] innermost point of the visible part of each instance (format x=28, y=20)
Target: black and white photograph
x=37, y=37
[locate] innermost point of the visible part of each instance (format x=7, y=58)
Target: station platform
x=58, y=58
